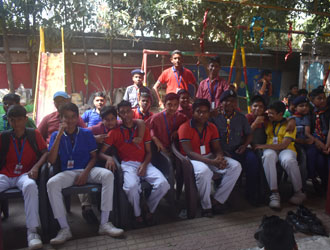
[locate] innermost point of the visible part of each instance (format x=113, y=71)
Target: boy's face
x=99, y=102
x=201, y=114
x=274, y=116
x=176, y=60
x=268, y=77
x=171, y=106
x=294, y=91
x=125, y=114
x=214, y=69
x=302, y=108
x=18, y=123
x=145, y=103
x=137, y=79
x=291, y=108
x=110, y=121
x=258, y=108
x=320, y=101
x=59, y=101
x=184, y=100
x=7, y=104
x=229, y=105
x=70, y=118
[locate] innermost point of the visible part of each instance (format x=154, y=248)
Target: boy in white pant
x=135, y=163
x=280, y=147
x=19, y=167
x=76, y=148
x=197, y=137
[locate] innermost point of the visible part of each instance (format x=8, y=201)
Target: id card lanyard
x=202, y=136
x=167, y=127
x=131, y=134
x=212, y=93
x=142, y=115
x=19, y=166
x=178, y=81
x=275, y=138
x=70, y=163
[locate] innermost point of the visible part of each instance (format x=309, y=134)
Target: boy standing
x=198, y=139
x=20, y=165
x=76, y=148
x=280, y=146
x=177, y=77
x=135, y=164
x=131, y=93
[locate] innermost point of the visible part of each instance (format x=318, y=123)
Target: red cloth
x=156, y=124
x=51, y=123
x=127, y=151
x=171, y=79
x=188, y=133
x=29, y=157
x=187, y=112
x=203, y=90
x=138, y=115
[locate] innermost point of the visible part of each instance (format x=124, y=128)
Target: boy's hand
x=100, y=138
x=110, y=164
x=62, y=128
x=137, y=140
x=159, y=146
x=142, y=170
x=241, y=149
x=161, y=104
x=81, y=178
x=291, y=125
x=260, y=146
x=259, y=120
x=221, y=162
x=33, y=173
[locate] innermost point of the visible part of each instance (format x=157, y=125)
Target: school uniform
x=74, y=152
x=139, y=115
x=4, y=123
x=19, y=160
x=276, y=132
x=187, y=112
x=91, y=117
x=201, y=144
x=162, y=126
x=132, y=155
x=131, y=95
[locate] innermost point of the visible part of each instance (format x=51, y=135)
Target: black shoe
x=317, y=187
x=138, y=222
x=150, y=219
x=297, y=223
x=314, y=223
x=89, y=216
x=217, y=207
x=207, y=213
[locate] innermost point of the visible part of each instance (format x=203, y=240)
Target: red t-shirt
x=172, y=79
x=128, y=151
x=51, y=123
x=157, y=126
x=29, y=157
x=187, y=133
x=139, y=115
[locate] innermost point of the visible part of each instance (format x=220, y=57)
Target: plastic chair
x=13, y=193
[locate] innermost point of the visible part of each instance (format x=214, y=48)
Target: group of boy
x=216, y=140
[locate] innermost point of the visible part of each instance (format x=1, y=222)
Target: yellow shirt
x=281, y=133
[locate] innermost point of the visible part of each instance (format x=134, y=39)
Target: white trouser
x=132, y=185
x=67, y=178
x=203, y=176
x=288, y=160
x=30, y=192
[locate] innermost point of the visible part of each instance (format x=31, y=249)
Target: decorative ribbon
x=201, y=38
x=289, y=43
x=254, y=19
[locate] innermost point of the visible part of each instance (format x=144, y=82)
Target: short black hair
x=174, y=52
x=291, y=99
x=215, y=59
x=144, y=92
x=275, y=233
x=171, y=96
x=16, y=111
x=183, y=91
x=123, y=104
x=69, y=107
x=278, y=106
x=201, y=102
x=317, y=91
x=302, y=92
x=293, y=86
x=258, y=98
x=265, y=72
x=105, y=111
x=99, y=94
x=12, y=97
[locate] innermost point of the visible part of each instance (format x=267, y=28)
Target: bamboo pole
x=233, y=58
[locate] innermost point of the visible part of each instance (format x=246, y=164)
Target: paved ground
x=233, y=230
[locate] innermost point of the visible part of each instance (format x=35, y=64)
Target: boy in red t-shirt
x=20, y=169
x=199, y=139
x=135, y=164
x=143, y=110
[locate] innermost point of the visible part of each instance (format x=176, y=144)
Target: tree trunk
x=6, y=47
x=111, y=71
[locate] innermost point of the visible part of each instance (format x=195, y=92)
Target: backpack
x=5, y=142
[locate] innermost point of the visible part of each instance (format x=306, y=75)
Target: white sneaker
x=275, y=201
x=62, y=236
x=110, y=230
x=34, y=241
x=297, y=198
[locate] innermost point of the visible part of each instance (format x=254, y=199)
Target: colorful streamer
x=289, y=43
x=245, y=71
x=201, y=38
x=254, y=19
x=233, y=58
